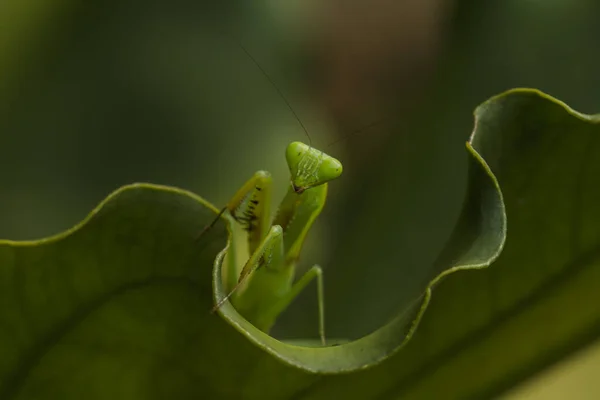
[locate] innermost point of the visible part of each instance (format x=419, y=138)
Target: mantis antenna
x=287, y=103
x=289, y=106
x=356, y=131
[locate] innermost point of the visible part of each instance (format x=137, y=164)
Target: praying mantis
x=265, y=286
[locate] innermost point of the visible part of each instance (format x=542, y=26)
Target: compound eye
x=294, y=153
x=330, y=169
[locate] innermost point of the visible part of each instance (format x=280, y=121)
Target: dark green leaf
x=487, y=330
x=120, y=306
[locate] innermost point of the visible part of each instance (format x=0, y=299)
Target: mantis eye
x=294, y=154
x=330, y=168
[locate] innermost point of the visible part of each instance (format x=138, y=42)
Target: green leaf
x=487, y=330
x=119, y=306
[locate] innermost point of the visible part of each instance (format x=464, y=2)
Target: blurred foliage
x=575, y=377
x=98, y=95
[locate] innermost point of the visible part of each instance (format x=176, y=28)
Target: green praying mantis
x=266, y=286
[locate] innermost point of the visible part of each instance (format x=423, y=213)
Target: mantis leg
x=297, y=288
x=263, y=281
x=250, y=207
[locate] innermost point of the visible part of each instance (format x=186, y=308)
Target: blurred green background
x=95, y=95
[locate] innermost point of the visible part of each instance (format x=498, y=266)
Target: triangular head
x=310, y=167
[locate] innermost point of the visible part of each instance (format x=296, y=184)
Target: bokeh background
x=94, y=95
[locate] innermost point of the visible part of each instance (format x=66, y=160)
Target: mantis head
x=310, y=167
